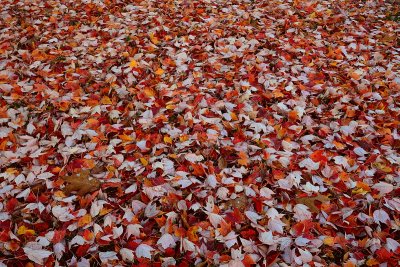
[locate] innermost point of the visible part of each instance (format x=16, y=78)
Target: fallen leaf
x=133, y=63
x=81, y=183
x=159, y=71
x=310, y=201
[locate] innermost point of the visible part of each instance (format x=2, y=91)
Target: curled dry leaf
x=240, y=203
x=81, y=183
x=310, y=201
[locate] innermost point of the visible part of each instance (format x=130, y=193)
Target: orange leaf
x=133, y=63
x=329, y=240
x=153, y=39
x=144, y=161
x=88, y=235
x=233, y=116
x=159, y=71
x=149, y=92
x=372, y=262
x=243, y=158
x=292, y=115
x=125, y=138
x=198, y=169
x=106, y=100
x=192, y=233
x=349, y=264
x=64, y=105
x=318, y=156
x=225, y=228
x=338, y=145
x=22, y=230
x=167, y=139
x=248, y=260
x=84, y=220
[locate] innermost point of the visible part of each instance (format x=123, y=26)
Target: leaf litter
x=199, y=133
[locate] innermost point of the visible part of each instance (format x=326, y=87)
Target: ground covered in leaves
x=199, y=133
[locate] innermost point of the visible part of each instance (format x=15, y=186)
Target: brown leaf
x=222, y=164
x=81, y=183
x=240, y=203
x=310, y=201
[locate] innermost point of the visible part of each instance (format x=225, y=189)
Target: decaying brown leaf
x=222, y=164
x=310, y=201
x=240, y=203
x=81, y=183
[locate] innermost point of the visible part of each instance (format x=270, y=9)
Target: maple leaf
x=243, y=159
x=81, y=183
x=133, y=63
x=310, y=201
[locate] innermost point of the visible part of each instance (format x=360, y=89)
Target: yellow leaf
x=104, y=211
x=149, y=92
x=233, y=116
x=170, y=106
x=329, y=240
x=173, y=156
x=372, y=262
x=11, y=170
x=59, y=194
x=167, y=139
x=125, y=138
x=153, y=39
x=110, y=169
x=381, y=166
x=144, y=161
x=22, y=230
x=243, y=159
x=159, y=71
x=359, y=191
x=361, y=188
x=106, y=100
x=133, y=64
x=84, y=220
x=183, y=138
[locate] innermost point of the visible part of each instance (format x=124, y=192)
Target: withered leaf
x=222, y=164
x=240, y=203
x=310, y=201
x=81, y=183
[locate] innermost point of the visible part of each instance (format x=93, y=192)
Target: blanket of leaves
x=199, y=133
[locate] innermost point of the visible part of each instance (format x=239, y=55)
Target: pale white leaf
x=253, y=216
x=133, y=229
x=383, y=187
x=193, y=157
x=131, y=189
x=360, y=151
x=188, y=245
x=266, y=238
x=45, y=175
x=144, y=251
x=391, y=244
x=301, y=212
x=37, y=255
x=309, y=164
x=381, y=216
x=166, y=241
x=108, y=256
x=127, y=254
x=305, y=255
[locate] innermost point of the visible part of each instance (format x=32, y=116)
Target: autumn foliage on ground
x=199, y=133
